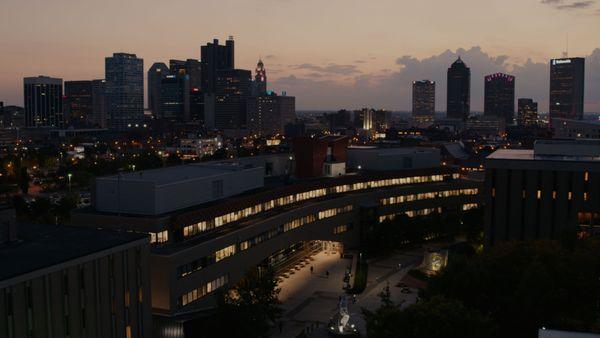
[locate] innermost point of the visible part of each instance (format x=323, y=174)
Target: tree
x=24, y=180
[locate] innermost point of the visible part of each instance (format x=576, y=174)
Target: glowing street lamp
x=69, y=175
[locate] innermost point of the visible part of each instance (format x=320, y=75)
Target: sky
x=330, y=54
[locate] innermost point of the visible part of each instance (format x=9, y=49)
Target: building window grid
x=233, y=216
x=427, y=195
x=203, y=290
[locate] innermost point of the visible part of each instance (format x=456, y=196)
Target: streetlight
x=133, y=167
x=69, y=175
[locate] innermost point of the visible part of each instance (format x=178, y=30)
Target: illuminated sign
x=561, y=62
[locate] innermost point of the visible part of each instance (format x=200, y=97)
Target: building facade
x=499, y=100
x=458, y=105
x=78, y=104
x=268, y=114
x=232, y=90
x=157, y=72
x=423, y=100
x=552, y=191
x=566, y=88
x=175, y=98
x=43, y=98
x=124, y=74
x=214, y=57
x=260, y=80
x=527, y=112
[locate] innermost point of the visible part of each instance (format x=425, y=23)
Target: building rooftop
x=43, y=246
x=553, y=150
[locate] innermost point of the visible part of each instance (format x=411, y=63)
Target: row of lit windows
x=335, y=211
x=203, y=290
x=196, y=265
x=194, y=229
x=470, y=206
x=159, y=237
x=428, y=195
x=410, y=213
x=340, y=229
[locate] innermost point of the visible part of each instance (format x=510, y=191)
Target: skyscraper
x=215, y=57
x=459, y=91
x=43, y=101
x=499, y=97
x=99, y=104
x=190, y=67
x=268, y=114
x=175, y=98
x=124, y=90
x=260, y=80
x=232, y=89
x=423, y=100
x=566, y=88
x=78, y=103
x=156, y=73
x=528, y=112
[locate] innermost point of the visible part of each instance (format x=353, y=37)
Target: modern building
x=74, y=282
x=43, y=97
x=423, y=101
x=232, y=90
x=311, y=154
x=99, y=116
x=551, y=191
x=381, y=159
x=567, y=88
x=527, y=112
x=190, y=67
x=486, y=126
x=214, y=57
x=157, y=72
x=202, y=248
x=260, y=80
x=499, y=97
x=458, y=105
x=268, y=114
x=124, y=90
x=78, y=105
x=371, y=120
x=575, y=129
x=174, y=98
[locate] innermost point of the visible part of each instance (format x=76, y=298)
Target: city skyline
x=304, y=62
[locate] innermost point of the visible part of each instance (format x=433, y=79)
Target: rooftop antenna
x=566, y=52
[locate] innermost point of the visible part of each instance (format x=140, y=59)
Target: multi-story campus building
x=210, y=223
x=551, y=191
x=60, y=281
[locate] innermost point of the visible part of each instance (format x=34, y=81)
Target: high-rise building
x=190, y=67
x=260, y=80
x=499, y=96
x=371, y=119
x=268, y=114
x=232, y=90
x=99, y=104
x=213, y=58
x=459, y=91
x=423, y=100
x=175, y=98
x=43, y=97
x=566, y=88
x=124, y=90
x=156, y=73
x=528, y=112
x=78, y=103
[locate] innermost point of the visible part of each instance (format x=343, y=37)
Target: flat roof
x=42, y=246
x=387, y=151
x=178, y=173
x=529, y=155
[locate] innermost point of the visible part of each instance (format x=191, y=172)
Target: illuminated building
x=567, y=88
x=175, y=98
x=527, y=112
x=232, y=90
x=458, y=105
x=268, y=114
x=499, y=95
x=156, y=73
x=423, y=100
x=124, y=74
x=214, y=57
x=260, y=80
x=43, y=97
x=552, y=191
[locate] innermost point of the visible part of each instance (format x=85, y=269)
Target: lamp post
x=69, y=175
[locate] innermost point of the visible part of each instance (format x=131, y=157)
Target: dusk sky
x=330, y=54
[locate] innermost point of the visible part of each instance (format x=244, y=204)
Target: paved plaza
x=309, y=300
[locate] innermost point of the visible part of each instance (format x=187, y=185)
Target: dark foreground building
x=551, y=191
x=459, y=91
x=74, y=282
x=567, y=88
x=499, y=96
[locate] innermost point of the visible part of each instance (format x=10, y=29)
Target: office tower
x=232, y=89
x=3, y=118
x=268, y=114
x=99, y=104
x=459, y=91
x=156, y=73
x=260, y=80
x=190, y=67
x=423, y=100
x=124, y=90
x=528, y=112
x=551, y=191
x=499, y=96
x=175, y=98
x=339, y=120
x=371, y=119
x=43, y=101
x=566, y=88
x=78, y=103
x=215, y=57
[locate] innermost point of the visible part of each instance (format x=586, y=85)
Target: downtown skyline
x=309, y=56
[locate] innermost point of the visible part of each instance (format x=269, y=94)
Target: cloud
x=330, y=68
x=392, y=89
x=567, y=5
